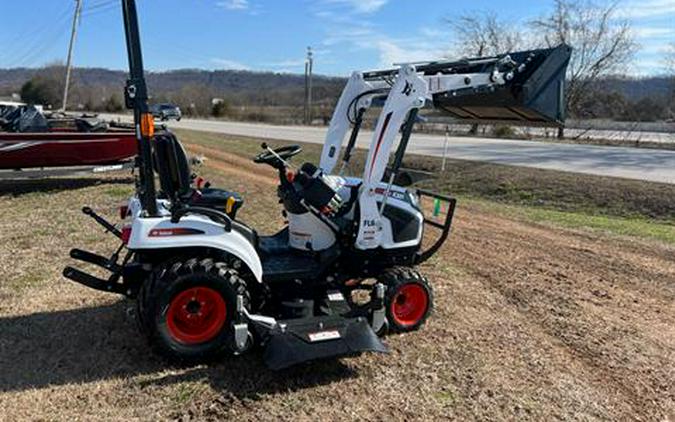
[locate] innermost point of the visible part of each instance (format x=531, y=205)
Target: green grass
x=186, y=392
x=619, y=226
x=616, y=225
x=446, y=397
x=245, y=147
x=26, y=280
x=120, y=191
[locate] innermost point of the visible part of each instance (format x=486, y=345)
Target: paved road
x=626, y=162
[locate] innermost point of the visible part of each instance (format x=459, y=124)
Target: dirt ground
x=532, y=322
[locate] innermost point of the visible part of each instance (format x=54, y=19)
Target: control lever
x=102, y=221
x=271, y=151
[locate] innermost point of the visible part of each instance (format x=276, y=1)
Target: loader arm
x=410, y=92
x=525, y=87
x=356, y=98
x=357, y=95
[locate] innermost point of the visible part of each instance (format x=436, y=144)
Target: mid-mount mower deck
x=206, y=284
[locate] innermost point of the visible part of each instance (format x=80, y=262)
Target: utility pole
x=309, y=69
x=73, y=36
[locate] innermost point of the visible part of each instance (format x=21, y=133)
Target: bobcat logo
x=407, y=89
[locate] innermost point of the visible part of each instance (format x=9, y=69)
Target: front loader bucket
x=297, y=341
x=534, y=97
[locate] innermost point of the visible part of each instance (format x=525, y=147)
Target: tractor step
x=290, y=266
x=92, y=282
x=300, y=340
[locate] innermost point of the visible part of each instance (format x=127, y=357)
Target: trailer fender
x=193, y=231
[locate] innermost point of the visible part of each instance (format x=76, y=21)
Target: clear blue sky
x=273, y=34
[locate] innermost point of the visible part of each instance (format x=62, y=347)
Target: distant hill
x=635, y=89
x=279, y=97
x=238, y=86
x=260, y=84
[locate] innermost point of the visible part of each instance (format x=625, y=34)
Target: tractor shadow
x=101, y=343
x=16, y=188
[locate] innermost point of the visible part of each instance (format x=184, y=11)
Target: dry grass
x=532, y=322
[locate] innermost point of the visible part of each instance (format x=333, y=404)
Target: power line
x=102, y=3
x=31, y=41
x=43, y=45
x=100, y=8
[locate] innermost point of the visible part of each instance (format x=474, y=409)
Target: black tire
x=159, y=298
x=399, y=282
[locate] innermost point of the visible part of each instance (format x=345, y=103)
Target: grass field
x=554, y=300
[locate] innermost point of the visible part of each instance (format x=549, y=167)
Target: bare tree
x=602, y=43
x=670, y=69
x=194, y=99
x=484, y=34
x=670, y=59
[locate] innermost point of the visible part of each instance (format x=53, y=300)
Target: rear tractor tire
x=186, y=309
x=409, y=299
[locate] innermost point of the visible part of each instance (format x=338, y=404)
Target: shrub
x=40, y=90
x=113, y=104
x=220, y=109
x=502, y=131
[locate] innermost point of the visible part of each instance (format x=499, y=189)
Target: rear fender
x=192, y=231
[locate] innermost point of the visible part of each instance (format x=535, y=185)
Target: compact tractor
x=206, y=284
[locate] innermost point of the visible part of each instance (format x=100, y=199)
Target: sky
x=272, y=35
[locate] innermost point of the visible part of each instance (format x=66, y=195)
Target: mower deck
x=296, y=341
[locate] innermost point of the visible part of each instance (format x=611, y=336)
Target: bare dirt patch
x=532, y=322
x=233, y=164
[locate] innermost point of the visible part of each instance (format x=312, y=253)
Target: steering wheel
x=268, y=157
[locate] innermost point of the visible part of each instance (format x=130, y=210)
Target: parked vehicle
x=166, y=112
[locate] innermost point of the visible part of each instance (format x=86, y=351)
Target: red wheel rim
x=196, y=315
x=409, y=305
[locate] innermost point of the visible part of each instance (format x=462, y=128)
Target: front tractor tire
x=187, y=309
x=409, y=299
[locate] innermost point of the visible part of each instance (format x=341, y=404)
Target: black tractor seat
x=175, y=177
